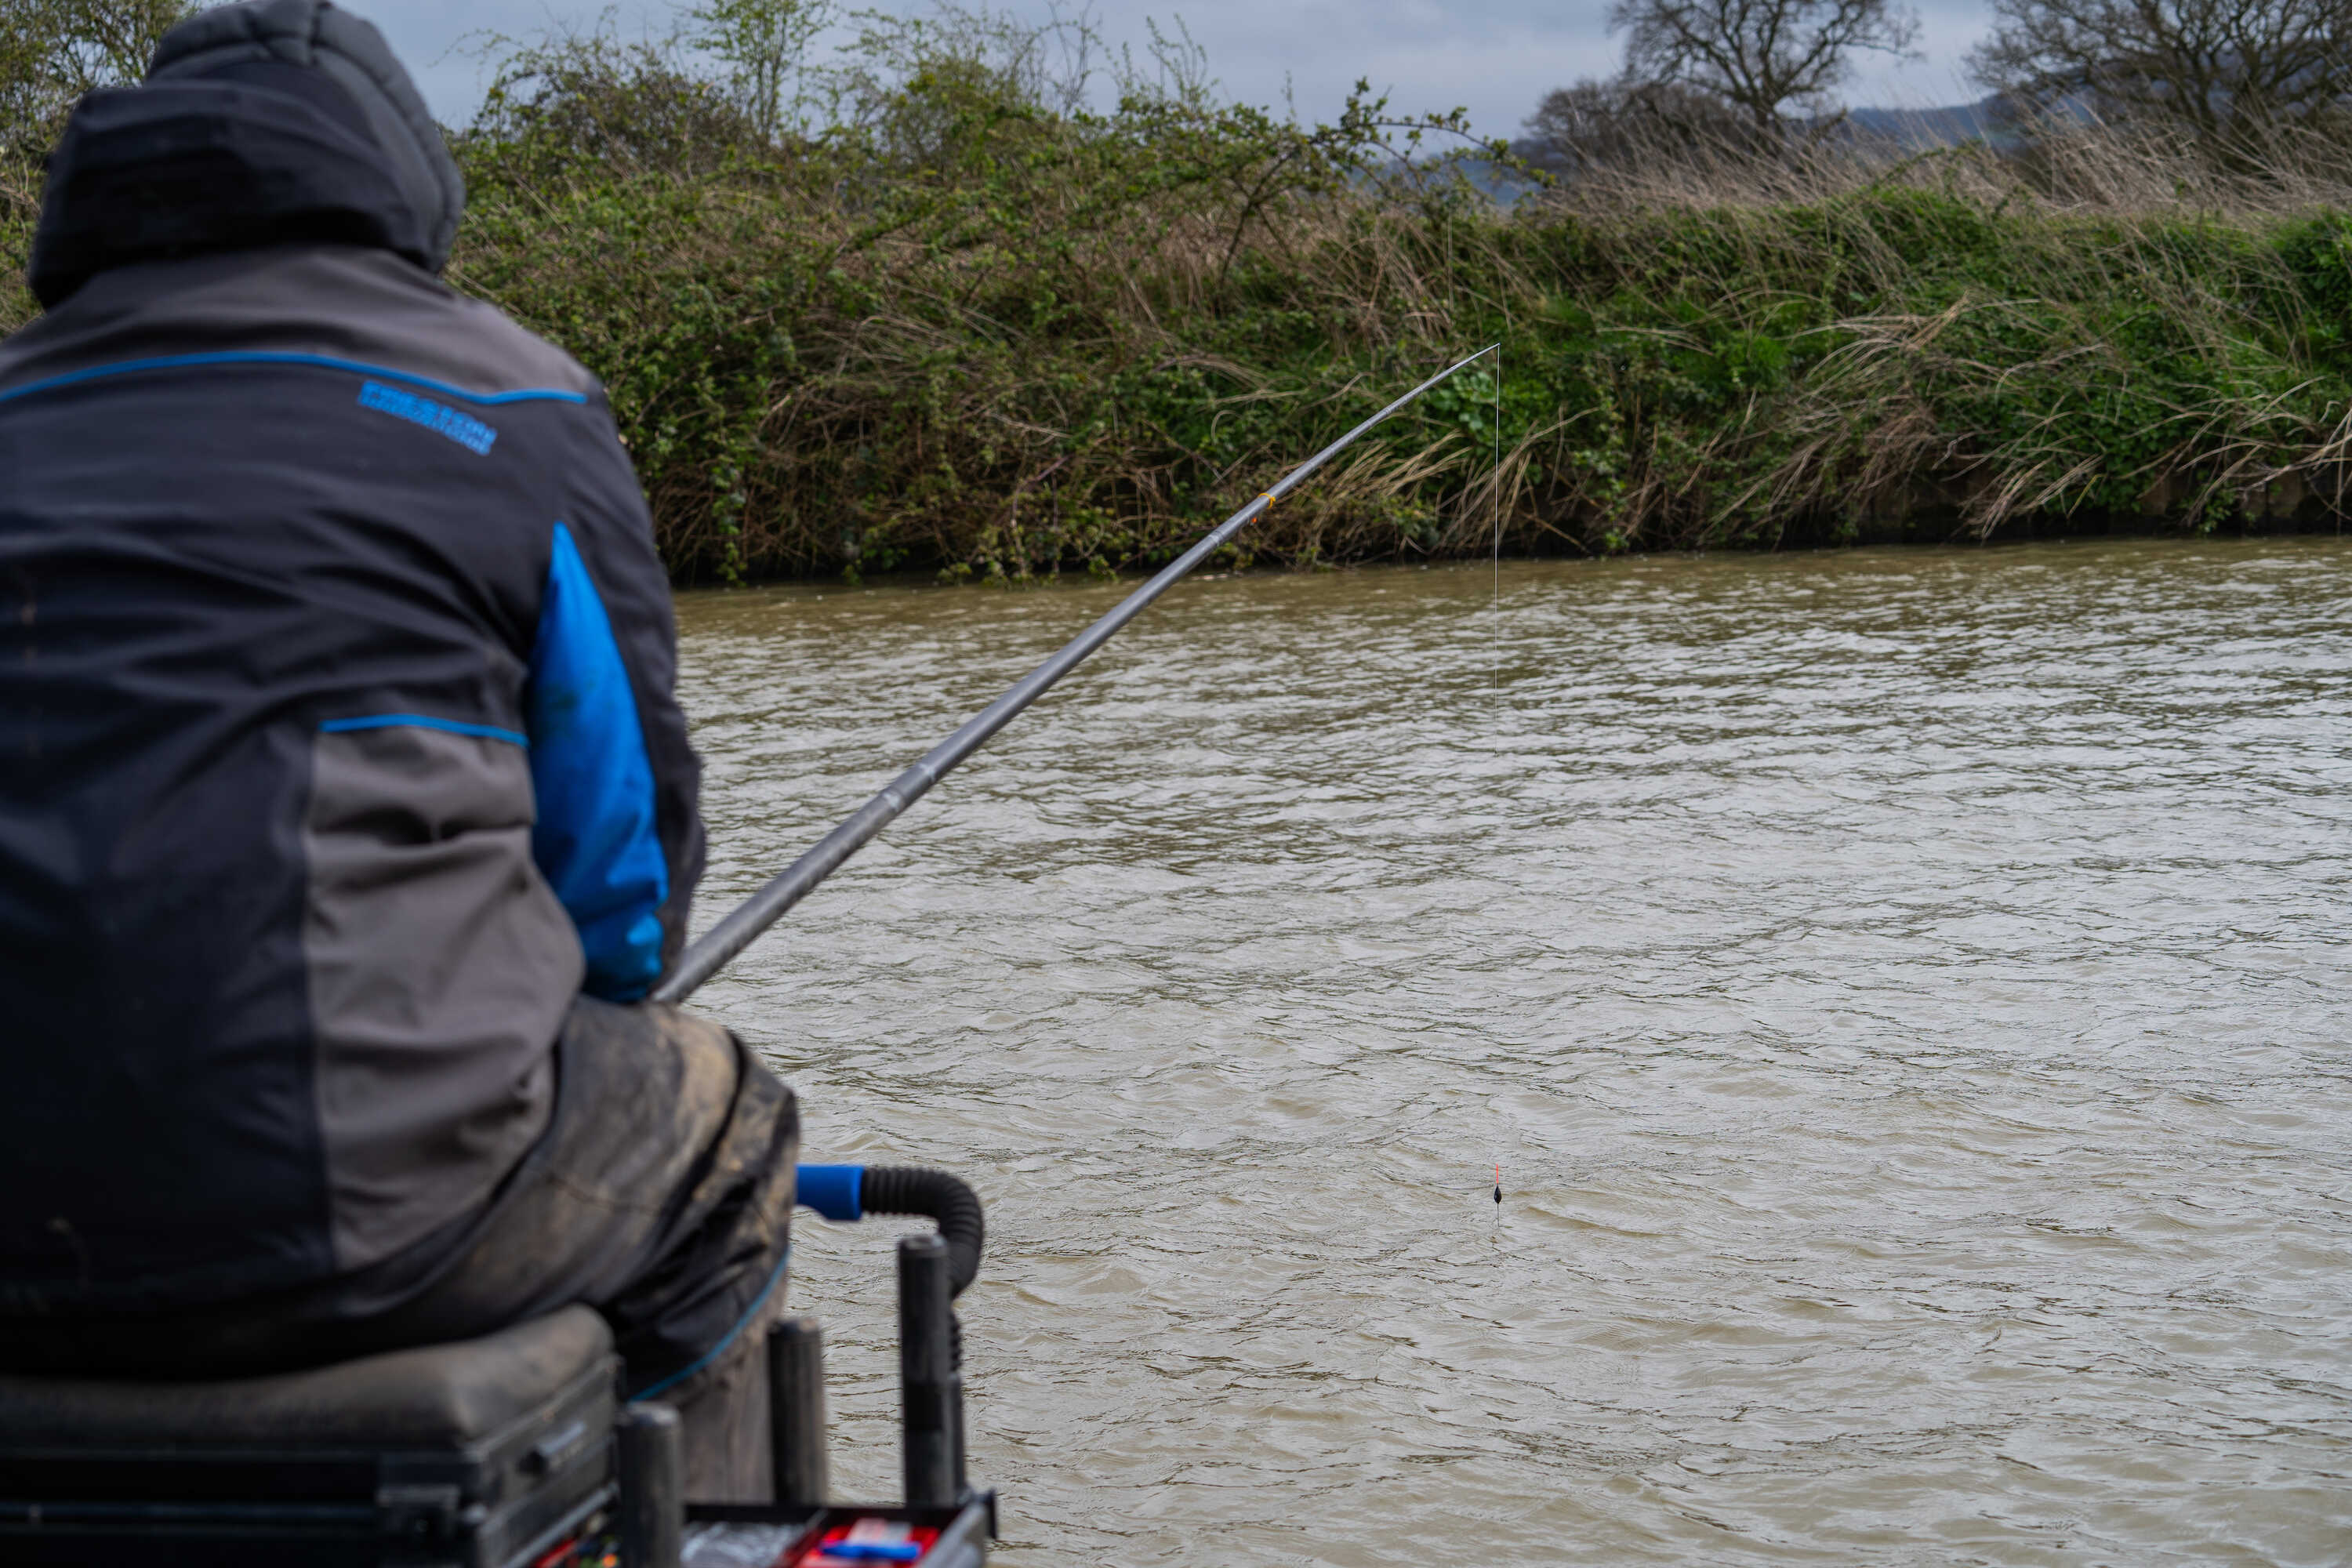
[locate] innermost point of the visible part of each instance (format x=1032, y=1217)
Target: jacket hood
x=265, y=123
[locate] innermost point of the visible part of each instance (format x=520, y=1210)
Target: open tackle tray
x=730, y=1535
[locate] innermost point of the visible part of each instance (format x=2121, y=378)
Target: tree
x=763, y=42
x=53, y=51
x=2215, y=68
x=574, y=100
x=1764, y=58
x=1620, y=124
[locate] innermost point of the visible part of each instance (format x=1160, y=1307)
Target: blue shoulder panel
x=596, y=841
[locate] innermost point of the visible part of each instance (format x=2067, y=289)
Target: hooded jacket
x=336, y=669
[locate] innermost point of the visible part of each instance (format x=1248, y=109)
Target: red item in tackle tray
x=870, y=1543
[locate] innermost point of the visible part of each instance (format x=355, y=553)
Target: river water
x=1905, y=992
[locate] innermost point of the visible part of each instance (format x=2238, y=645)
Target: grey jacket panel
x=432, y=1069
x=343, y=301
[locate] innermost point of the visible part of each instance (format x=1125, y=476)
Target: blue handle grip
x=836, y=1191
x=870, y=1551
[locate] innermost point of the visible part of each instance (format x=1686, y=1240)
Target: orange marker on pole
x=1498, y=1181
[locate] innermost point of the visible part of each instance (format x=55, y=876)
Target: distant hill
x=1914, y=129
x=1947, y=127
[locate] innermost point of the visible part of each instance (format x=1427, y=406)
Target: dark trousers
x=661, y=1195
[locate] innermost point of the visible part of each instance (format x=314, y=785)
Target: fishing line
x=742, y=925
x=1497, y=647
x=1498, y=513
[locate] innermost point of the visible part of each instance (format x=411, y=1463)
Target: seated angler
x=348, y=810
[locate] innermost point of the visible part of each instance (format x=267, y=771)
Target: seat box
x=483, y=1453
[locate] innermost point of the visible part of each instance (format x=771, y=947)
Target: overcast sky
x=1494, y=57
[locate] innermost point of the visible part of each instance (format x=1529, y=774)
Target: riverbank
x=980, y=339
x=981, y=394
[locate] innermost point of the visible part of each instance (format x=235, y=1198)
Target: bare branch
x=1766, y=58
x=2223, y=70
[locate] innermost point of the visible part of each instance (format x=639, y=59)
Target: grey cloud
x=1496, y=57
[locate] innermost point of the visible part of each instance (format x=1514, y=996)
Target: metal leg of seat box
x=930, y=1385
x=653, y=1476
x=796, y=1411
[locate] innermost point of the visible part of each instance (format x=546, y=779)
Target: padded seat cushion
x=436, y=1396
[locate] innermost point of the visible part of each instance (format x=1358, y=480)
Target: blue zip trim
x=315, y=362
x=422, y=721
x=682, y=1373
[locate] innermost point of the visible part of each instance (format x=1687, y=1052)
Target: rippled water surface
x=1905, y=992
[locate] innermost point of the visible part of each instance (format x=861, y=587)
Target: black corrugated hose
x=920, y=1190
x=947, y=1199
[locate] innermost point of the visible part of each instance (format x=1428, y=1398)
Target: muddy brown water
x=1906, y=991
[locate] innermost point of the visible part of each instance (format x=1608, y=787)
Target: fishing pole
x=742, y=925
